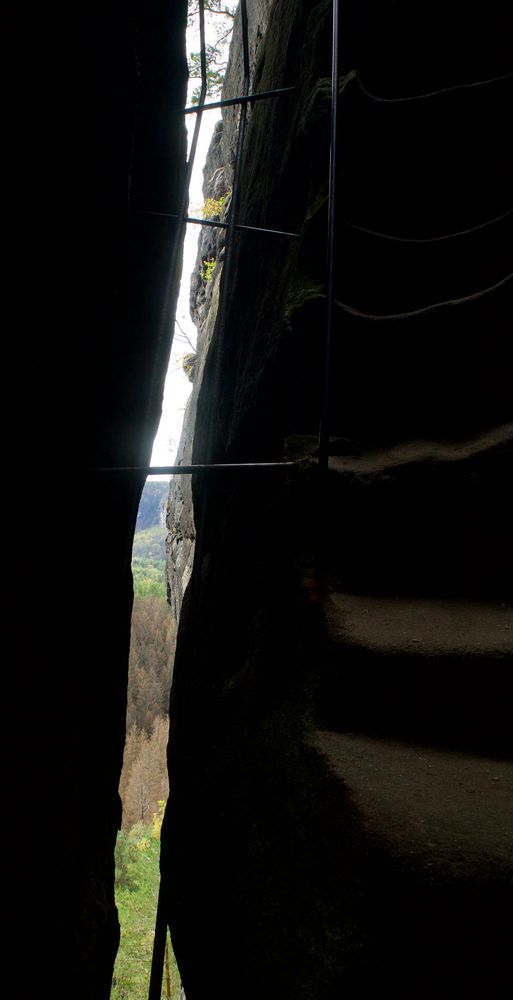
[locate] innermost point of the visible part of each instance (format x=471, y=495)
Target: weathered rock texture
x=340, y=753
x=204, y=296
x=203, y=304
x=95, y=139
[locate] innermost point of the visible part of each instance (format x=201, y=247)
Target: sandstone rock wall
x=204, y=299
x=204, y=294
x=340, y=748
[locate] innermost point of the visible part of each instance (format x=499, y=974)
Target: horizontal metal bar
x=172, y=470
x=245, y=229
x=224, y=225
x=236, y=100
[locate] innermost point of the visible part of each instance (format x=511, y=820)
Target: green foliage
x=148, y=579
x=219, y=17
x=126, y=860
x=137, y=907
x=150, y=544
x=208, y=269
x=215, y=74
x=213, y=206
x=149, y=562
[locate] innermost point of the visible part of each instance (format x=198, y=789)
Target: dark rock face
x=341, y=743
x=95, y=140
x=204, y=296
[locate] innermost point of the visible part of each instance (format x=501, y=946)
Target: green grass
x=137, y=884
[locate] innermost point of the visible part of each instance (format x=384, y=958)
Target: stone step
x=430, y=669
x=425, y=517
x=453, y=812
x=437, y=871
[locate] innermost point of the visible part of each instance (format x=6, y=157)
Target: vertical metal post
x=326, y=392
x=159, y=950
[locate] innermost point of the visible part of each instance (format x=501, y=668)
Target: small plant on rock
x=213, y=206
x=208, y=269
x=189, y=365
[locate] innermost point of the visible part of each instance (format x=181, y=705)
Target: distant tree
x=133, y=743
x=220, y=16
x=137, y=805
x=150, y=544
x=144, y=781
x=159, y=740
x=150, y=663
x=149, y=561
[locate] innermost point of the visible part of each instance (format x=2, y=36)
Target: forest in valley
x=144, y=777
x=144, y=783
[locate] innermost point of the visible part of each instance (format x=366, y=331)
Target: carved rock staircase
x=415, y=706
